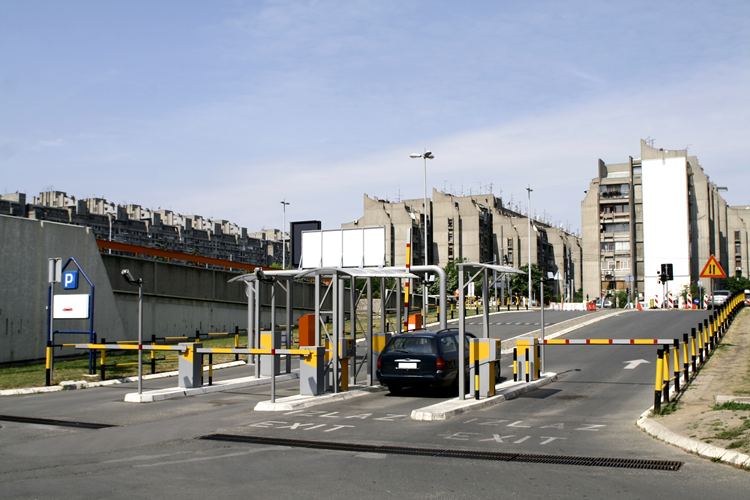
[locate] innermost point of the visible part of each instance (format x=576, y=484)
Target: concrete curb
x=693, y=446
x=720, y=400
x=291, y=403
x=226, y=385
x=454, y=407
x=69, y=385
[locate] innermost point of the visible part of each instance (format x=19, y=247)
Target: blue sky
x=225, y=108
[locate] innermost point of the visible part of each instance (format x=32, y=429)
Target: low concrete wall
x=25, y=247
x=178, y=299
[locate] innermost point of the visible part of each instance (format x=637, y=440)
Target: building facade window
x=620, y=227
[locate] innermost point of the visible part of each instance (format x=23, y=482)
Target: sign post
x=629, y=282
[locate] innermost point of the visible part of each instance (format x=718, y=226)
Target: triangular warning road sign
x=713, y=269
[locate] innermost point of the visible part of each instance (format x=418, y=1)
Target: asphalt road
x=155, y=450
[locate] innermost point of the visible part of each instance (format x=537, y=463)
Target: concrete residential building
x=658, y=209
x=398, y=219
x=477, y=228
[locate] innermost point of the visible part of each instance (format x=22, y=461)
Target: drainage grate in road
x=627, y=463
x=49, y=421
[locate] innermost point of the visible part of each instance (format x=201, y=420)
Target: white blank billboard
x=666, y=232
x=356, y=247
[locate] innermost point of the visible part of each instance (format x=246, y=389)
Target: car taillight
x=441, y=364
x=378, y=362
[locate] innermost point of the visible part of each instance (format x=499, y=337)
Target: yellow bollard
x=658, y=384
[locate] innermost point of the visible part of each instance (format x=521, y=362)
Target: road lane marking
x=634, y=364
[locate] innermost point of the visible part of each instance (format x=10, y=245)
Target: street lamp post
x=139, y=283
x=283, y=238
x=529, y=231
x=425, y=155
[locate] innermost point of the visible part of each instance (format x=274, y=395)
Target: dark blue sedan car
x=422, y=358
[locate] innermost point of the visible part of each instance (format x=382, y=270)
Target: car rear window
x=448, y=345
x=412, y=345
x=722, y=292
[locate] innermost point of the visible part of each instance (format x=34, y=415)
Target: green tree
x=736, y=284
x=521, y=282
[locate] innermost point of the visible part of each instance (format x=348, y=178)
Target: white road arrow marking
x=634, y=363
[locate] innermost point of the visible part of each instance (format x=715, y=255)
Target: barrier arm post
x=665, y=375
x=659, y=383
x=676, y=365
x=692, y=349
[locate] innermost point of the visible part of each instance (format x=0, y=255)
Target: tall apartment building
x=477, y=228
x=658, y=209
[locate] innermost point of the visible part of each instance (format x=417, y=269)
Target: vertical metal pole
x=461, y=336
x=399, y=302
x=317, y=310
x=258, y=328
x=273, y=329
x=541, y=305
x=140, y=336
x=353, y=328
x=250, y=320
x=51, y=338
x=289, y=321
x=424, y=285
x=335, y=334
x=369, y=329
x=529, y=231
x=485, y=304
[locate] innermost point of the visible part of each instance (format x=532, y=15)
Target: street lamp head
x=429, y=155
x=415, y=155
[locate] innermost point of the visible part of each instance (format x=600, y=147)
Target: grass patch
x=733, y=406
x=737, y=444
x=734, y=432
x=669, y=409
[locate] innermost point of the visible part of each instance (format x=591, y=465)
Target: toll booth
x=483, y=357
x=528, y=363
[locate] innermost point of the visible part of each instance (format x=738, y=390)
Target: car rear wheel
x=395, y=389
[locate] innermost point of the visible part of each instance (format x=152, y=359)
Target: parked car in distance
x=718, y=298
x=422, y=358
x=603, y=304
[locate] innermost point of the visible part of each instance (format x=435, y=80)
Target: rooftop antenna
x=649, y=141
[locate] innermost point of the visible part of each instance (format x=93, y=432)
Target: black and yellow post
x=665, y=374
x=658, y=385
x=676, y=354
x=685, y=363
x=476, y=373
x=515, y=367
x=48, y=364
x=538, y=360
x=153, y=355
x=103, y=361
x=210, y=369
x=693, y=351
x=701, y=343
x=237, y=342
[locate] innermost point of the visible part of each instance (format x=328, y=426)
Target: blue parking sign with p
x=70, y=280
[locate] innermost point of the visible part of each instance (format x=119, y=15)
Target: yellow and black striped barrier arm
x=128, y=347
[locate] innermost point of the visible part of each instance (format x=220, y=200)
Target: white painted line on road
x=634, y=364
x=202, y=459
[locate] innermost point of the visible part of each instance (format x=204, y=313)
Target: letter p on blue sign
x=70, y=280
